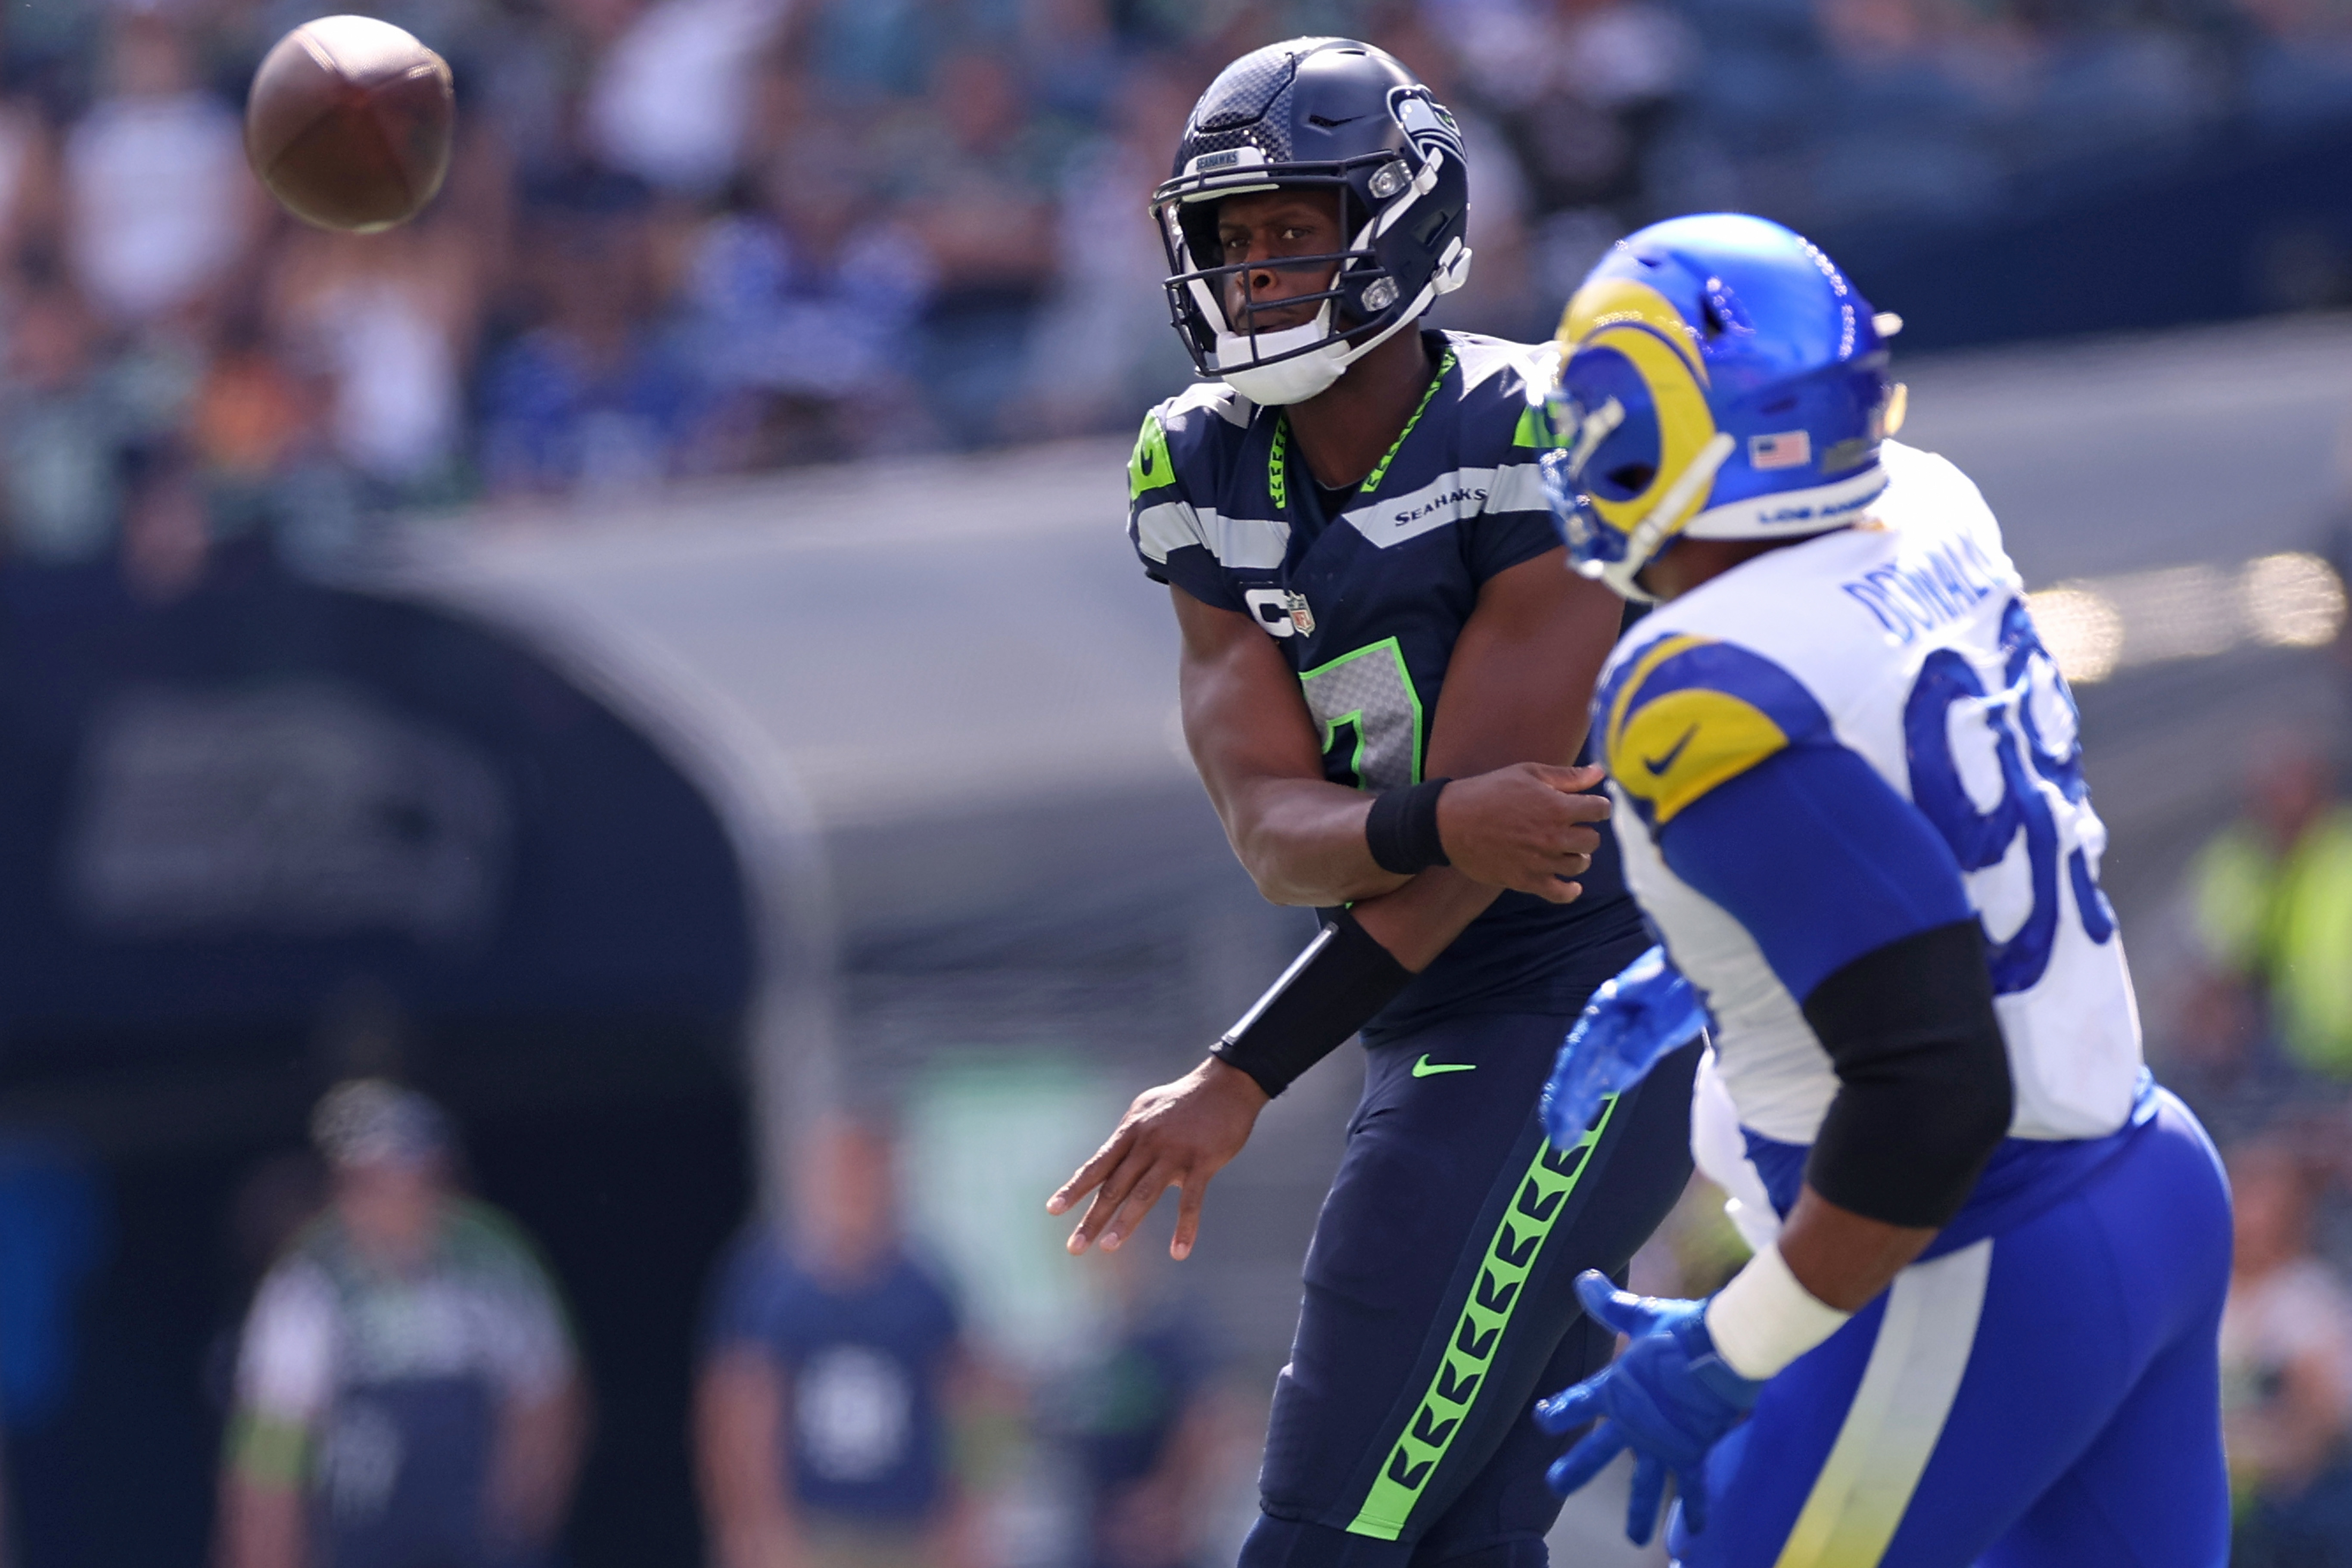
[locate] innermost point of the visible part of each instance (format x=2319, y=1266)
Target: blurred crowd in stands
x=2256, y=1033
x=695, y=236
x=408, y=1386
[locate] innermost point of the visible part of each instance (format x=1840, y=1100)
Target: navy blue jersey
x=865, y=1366
x=1366, y=606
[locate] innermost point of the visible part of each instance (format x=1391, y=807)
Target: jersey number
x=2033, y=722
x=1367, y=708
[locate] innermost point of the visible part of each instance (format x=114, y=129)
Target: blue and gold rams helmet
x=1718, y=378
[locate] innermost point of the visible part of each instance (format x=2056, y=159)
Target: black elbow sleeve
x=1331, y=991
x=1924, y=1093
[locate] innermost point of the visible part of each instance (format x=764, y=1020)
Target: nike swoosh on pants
x=1425, y=1069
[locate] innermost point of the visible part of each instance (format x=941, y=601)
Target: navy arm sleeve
x=1859, y=907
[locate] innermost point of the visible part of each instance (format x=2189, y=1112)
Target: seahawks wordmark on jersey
x=1907, y=641
x=1366, y=604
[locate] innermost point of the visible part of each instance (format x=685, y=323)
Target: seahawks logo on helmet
x=1316, y=112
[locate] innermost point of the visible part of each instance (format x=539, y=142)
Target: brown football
x=349, y=123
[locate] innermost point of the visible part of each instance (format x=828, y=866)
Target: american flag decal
x=1787, y=449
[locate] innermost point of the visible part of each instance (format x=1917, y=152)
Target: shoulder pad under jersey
x=1681, y=714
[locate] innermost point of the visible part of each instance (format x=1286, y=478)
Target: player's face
x=1262, y=229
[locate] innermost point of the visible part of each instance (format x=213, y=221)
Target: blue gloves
x=1670, y=1398
x=1631, y=1022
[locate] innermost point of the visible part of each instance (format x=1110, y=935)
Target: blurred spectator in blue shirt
x=600, y=395
x=828, y=1372
x=803, y=304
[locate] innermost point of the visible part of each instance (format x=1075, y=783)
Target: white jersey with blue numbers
x=1906, y=641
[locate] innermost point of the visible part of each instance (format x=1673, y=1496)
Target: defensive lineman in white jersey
x=1980, y=1325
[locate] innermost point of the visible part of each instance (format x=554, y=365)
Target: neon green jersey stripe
x=1462, y=1371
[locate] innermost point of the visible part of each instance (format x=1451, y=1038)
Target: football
x=349, y=124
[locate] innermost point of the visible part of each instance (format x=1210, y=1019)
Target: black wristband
x=1331, y=991
x=1402, y=829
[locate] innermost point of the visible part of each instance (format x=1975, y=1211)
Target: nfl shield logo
x=1789, y=449
x=1301, y=617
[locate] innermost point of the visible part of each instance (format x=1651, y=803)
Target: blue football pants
x=2047, y=1397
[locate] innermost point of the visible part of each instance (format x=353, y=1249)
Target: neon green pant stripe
x=1462, y=1371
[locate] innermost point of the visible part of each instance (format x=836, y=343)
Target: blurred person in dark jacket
x=2286, y=1372
x=167, y=538
x=66, y=418
x=976, y=170
x=407, y=1391
x=1141, y=1425
x=1101, y=350
x=829, y=1372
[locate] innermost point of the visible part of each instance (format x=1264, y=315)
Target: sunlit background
x=648, y=656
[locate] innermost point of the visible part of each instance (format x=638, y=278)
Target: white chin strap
x=1304, y=376
x=1285, y=380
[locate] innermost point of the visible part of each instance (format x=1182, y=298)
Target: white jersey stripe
x=1519, y=488
x=1243, y=543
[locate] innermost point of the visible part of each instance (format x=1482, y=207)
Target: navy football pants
x=1439, y=1302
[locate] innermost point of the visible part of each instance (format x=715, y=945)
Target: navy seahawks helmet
x=1316, y=112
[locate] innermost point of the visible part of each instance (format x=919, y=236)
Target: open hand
x=1527, y=826
x=1669, y=1397
x=1177, y=1135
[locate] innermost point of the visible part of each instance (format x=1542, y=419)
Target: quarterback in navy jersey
x=1376, y=617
